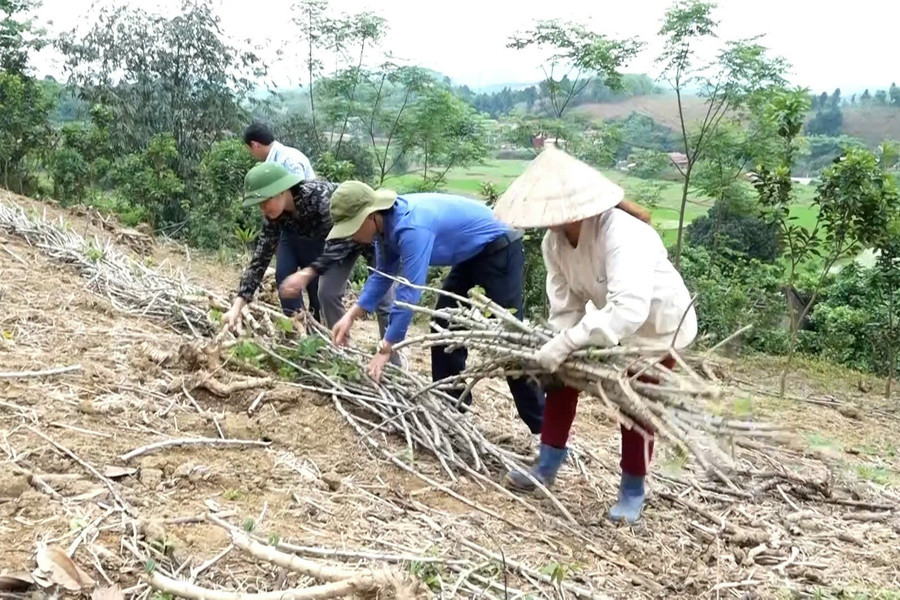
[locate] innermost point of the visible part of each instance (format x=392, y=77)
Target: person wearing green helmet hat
x=413, y=232
x=289, y=203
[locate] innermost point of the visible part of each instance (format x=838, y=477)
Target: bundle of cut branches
x=632, y=382
x=130, y=285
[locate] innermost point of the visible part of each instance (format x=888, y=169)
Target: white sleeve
x=565, y=309
x=630, y=264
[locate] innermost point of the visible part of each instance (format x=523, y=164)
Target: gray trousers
x=333, y=286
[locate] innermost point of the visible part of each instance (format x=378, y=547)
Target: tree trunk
x=684, y=197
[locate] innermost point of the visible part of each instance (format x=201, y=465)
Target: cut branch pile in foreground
x=131, y=286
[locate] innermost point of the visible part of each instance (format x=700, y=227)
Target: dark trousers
x=294, y=253
x=500, y=270
x=559, y=414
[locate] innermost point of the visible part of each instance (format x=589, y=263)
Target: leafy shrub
x=727, y=226
x=732, y=292
x=217, y=216
x=24, y=130
x=148, y=179
x=648, y=164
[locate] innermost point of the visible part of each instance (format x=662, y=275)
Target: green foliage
x=233, y=495
x=828, y=122
x=732, y=292
x=24, y=129
x=82, y=157
x=742, y=76
x=149, y=179
x=17, y=35
x=214, y=209
x=640, y=132
x=648, y=164
x=443, y=131
x=332, y=169
x=71, y=174
x=535, y=277
x=729, y=227
x=428, y=573
x=489, y=192
x=248, y=352
x=175, y=76
x=580, y=54
x=556, y=571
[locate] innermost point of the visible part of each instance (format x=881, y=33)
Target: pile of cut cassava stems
x=425, y=415
x=405, y=403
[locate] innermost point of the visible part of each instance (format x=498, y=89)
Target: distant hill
x=499, y=87
x=872, y=124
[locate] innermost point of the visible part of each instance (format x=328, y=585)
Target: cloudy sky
x=853, y=46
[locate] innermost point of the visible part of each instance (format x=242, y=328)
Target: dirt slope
x=317, y=484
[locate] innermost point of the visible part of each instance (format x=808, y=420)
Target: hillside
x=86, y=379
x=873, y=124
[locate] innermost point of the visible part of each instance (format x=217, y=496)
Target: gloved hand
x=554, y=353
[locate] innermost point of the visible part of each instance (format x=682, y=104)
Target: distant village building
x=679, y=159
x=540, y=141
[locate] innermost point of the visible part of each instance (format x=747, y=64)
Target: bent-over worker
x=415, y=231
x=289, y=203
x=609, y=282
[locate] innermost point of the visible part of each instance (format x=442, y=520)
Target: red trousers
x=559, y=414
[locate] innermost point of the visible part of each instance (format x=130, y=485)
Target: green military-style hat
x=266, y=180
x=352, y=202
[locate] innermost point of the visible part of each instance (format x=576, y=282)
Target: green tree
x=879, y=185
x=24, y=128
x=160, y=75
x=742, y=70
x=881, y=98
x=894, y=95
x=865, y=98
x=391, y=93
x=577, y=56
x=574, y=58
x=445, y=132
x=149, y=180
x=18, y=36
x=215, y=211
x=648, y=164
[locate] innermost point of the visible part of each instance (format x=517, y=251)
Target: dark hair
x=258, y=132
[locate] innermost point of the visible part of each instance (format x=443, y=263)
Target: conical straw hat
x=556, y=188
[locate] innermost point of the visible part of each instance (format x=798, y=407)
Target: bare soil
x=318, y=484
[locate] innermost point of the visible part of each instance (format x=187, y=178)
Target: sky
x=852, y=47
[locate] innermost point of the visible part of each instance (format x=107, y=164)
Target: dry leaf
x=61, y=570
x=108, y=593
x=15, y=582
x=114, y=472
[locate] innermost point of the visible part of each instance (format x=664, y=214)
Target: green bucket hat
x=351, y=203
x=266, y=180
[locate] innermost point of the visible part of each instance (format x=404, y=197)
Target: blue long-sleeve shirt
x=420, y=231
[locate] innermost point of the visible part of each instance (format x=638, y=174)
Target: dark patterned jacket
x=312, y=219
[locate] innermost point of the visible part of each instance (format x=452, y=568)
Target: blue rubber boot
x=631, y=500
x=549, y=461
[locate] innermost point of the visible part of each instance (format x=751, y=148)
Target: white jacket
x=617, y=286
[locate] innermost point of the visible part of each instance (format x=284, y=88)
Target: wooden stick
x=44, y=373
x=186, y=589
x=150, y=448
x=109, y=484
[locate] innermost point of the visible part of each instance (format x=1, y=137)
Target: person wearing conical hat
x=291, y=204
x=609, y=282
x=413, y=232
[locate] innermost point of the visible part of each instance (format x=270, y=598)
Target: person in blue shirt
x=413, y=232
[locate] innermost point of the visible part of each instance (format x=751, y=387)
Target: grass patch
x=820, y=442
x=879, y=475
